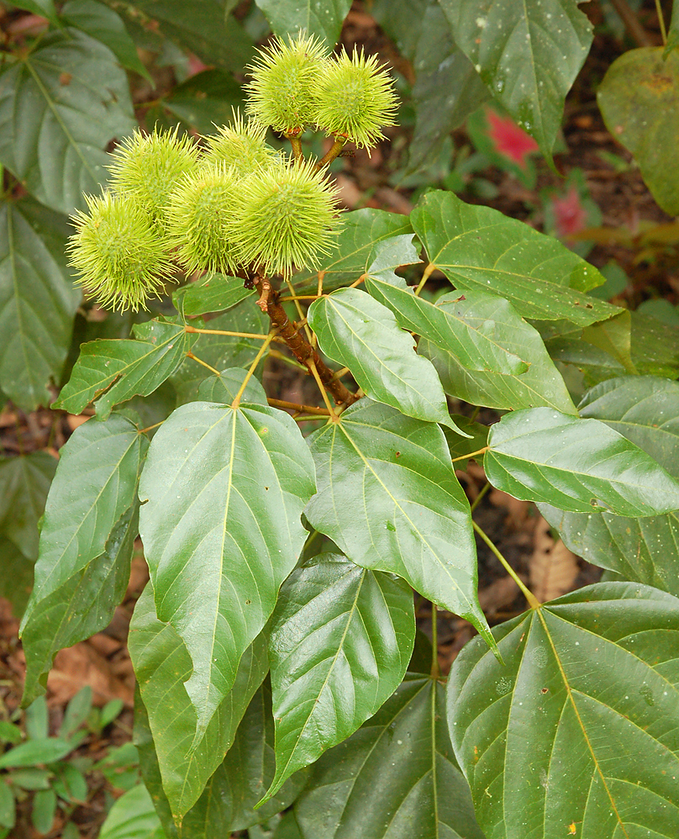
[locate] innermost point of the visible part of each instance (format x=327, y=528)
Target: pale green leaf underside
x=396, y=777
x=528, y=53
x=479, y=247
x=590, y=681
x=358, y=332
x=389, y=498
x=578, y=465
x=222, y=493
x=341, y=640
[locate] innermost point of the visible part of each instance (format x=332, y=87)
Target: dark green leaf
x=105, y=25
x=528, y=54
x=361, y=235
x=16, y=579
x=46, y=750
x=590, y=682
x=355, y=330
x=44, y=809
x=31, y=779
x=37, y=300
x=37, y=721
x=496, y=319
x=113, y=371
x=614, y=337
x=396, y=777
x=577, y=465
x=476, y=346
x=214, y=293
x=639, y=101
x=7, y=808
x=56, y=116
x=222, y=351
x=202, y=28
x=322, y=18
x=162, y=666
x=478, y=247
x=77, y=711
x=205, y=100
x=86, y=541
x=341, y=640
x=461, y=446
x=132, y=816
x=222, y=493
x=224, y=388
x=388, y=496
x=44, y=8
x=655, y=346
x=24, y=484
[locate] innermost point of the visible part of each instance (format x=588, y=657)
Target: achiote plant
x=272, y=554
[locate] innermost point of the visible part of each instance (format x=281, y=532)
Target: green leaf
x=24, y=484
x=205, y=100
x=222, y=351
x=478, y=247
x=322, y=18
x=16, y=579
x=447, y=87
x=654, y=346
x=32, y=779
x=111, y=371
x=214, y=293
x=77, y=711
x=45, y=750
x=590, y=682
x=44, y=809
x=44, y=8
x=476, y=346
x=37, y=720
x=389, y=498
x=528, y=55
x=56, y=117
x=162, y=666
x=222, y=493
x=496, y=320
x=639, y=101
x=201, y=28
x=9, y=733
x=37, y=300
x=613, y=336
x=105, y=25
x=360, y=237
x=223, y=389
x=461, y=446
x=86, y=541
x=7, y=808
x=577, y=465
x=396, y=777
x=645, y=410
x=358, y=332
x=132, y=816
x=341, y=640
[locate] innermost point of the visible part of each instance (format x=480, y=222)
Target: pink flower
x=569, y=214
x=509, y=140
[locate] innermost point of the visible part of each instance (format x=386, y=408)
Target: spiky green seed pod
x=285, y=217
x=117, y=252
x=355, y=99
x=148, y=167
x=284, y=81
x=200, y=219
x=241, y=146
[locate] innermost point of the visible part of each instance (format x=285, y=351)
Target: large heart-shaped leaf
x=113, y=371
x=639, y=101
x=341, y=639
x=86, y=542
x=495, y=318
x=528, y=54
x=205, y=100
x=389, y=498
x=645, y=409
x=576, y=465
x=590, y=681
x=395, y=777
x=362, y=233
x=478, y=247
x=37, y=301
x=322, y=18
x=222, y=493
x=358, y=332
x=162, y=665
x=56, y=117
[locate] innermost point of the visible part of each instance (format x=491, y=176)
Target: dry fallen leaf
x=553, y=568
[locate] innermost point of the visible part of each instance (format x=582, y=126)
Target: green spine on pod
x=121, y=259
x=240, y=145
